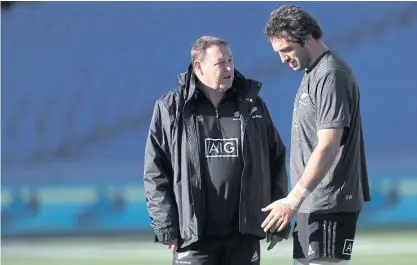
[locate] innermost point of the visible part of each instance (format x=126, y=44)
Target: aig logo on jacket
x=221, y=147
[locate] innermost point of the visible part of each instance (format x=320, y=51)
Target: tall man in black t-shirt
x=213, y=159
x=327, y=163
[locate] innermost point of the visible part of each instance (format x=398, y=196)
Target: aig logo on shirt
x=222, y=147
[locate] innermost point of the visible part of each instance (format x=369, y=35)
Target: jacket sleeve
x=158, y=177
x=278, y=169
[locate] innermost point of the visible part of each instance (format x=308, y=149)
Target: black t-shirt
x=221, y=162
x=328, y=97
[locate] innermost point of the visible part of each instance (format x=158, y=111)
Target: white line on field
x=149, y=251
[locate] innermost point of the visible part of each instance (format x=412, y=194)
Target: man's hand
x=281, y=213
x=172, y=244
x=272, y=239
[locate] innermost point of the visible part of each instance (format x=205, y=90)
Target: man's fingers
x=270, y=225
x=272, y=221
x=283, y=225
x=173, y=247
x=268, y=208
x=267, y=219
x=277, y=224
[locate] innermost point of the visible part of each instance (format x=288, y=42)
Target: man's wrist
x=301, y=191
x=297, y=196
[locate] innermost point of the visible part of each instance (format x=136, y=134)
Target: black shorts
x=233, y=250
x=324, y=236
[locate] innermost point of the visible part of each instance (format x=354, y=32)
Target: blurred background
x=78, y=83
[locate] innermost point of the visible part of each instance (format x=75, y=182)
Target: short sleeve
x=332, y=101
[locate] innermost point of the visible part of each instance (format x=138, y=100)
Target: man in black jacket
x=213, y=159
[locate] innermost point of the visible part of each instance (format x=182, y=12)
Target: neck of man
x=317, y=48
x=214, y=95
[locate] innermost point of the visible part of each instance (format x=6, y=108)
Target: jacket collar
x=247, y=89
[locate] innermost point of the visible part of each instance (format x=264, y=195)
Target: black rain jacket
x=173, y=186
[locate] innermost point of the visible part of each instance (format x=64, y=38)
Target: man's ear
x=197, y=67
x=309, y=38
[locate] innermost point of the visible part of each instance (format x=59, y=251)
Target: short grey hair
x=198, y=51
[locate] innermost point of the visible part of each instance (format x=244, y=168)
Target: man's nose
x=283, y=58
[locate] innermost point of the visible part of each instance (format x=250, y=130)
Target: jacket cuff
x=166, y=234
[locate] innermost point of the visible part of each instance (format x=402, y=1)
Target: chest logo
x=221, y=147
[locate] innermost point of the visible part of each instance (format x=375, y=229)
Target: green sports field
x=399, y=248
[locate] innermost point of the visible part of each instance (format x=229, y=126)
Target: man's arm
x=158, y=179
x=319, y=163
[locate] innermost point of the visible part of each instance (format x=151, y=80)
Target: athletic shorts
x=234, y=250
x=322, y=236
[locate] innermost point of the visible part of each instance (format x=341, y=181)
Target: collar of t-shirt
x=316, y=62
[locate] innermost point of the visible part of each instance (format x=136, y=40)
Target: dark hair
x=293, y=24
x=198, y=51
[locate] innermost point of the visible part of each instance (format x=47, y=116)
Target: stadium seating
x=79, y=81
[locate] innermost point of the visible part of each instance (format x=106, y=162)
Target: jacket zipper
x=217, y=119
x=243, y=124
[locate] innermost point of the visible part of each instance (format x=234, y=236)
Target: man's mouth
x=227, y=77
